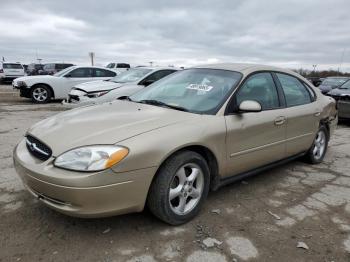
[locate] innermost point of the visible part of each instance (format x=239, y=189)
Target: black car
x=316, y=81
x=53, y=68
x=33, y=69
x=332, y=82
x=342, y=96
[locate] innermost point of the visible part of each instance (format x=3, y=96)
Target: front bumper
x=24, y=91
x=79, y=194
x=344, y=108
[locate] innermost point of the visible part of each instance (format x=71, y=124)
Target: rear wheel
x=180, y=188
x=40, y=94
x=318, y=149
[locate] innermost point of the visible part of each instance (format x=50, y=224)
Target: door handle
x=280, y=120
x=317, y=114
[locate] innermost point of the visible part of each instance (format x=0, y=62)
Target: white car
x=125, y=84
x=118, y=67
x=43, y=88
x=10, y=71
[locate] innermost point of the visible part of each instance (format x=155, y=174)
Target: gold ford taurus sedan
x=169, y=144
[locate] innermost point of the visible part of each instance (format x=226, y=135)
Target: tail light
x=1, y=70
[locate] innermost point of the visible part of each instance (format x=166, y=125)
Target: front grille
x=38, y=148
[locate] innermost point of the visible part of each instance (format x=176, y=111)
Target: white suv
x=118, y=67
x=10, y=71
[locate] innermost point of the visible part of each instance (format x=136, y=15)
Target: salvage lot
x=262, y=218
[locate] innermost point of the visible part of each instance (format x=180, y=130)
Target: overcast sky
x=292, y=34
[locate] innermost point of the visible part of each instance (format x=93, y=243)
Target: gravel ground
x=296, y=212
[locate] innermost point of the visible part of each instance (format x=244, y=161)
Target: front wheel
x=318, y=149
x=179, y=188
x=40, y=94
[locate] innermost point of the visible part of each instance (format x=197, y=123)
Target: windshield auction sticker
x=199, y=87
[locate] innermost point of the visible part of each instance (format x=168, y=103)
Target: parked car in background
x=10, y=71
x=118, y=67
x=123, y=84
x=170, y=143
x=41, y=89
x=332, y=82
x=342, y=96
x=33, y=69
x=53, y=68
x=316, y=81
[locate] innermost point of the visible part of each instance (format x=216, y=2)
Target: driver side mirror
x=67, y=75
x=247, y=106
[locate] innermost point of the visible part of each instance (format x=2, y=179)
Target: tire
x=318, y=149
x=174, y=196
x=40, y=94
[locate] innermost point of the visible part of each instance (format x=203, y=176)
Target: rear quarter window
x=12, y=66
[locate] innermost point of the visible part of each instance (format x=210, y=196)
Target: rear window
x=12, y=66
x=62, y=66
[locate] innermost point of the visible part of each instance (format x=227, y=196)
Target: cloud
x=292, y=33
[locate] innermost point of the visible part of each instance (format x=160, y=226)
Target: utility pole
x=92, y=56
x=341, y=61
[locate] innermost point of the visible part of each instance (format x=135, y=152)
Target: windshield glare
x=196, y=90
x=64, y=71
x=334, y=81
x=346, y=85
x=131, y=75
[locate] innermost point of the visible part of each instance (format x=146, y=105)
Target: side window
x=158, y=75
x=259, y=87
x=81, y=72
x=103, y=73
x=294, y=91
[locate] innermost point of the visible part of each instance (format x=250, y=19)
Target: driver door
x=77, y=76
x=255, y=139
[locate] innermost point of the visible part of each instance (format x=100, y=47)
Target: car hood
x=339, y=92
x=108, y=123
x=98, y=86
x=34, y=78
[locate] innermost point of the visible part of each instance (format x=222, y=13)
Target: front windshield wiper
x=160, y=103
x=125, y=98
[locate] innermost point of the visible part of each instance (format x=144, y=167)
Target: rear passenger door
x=302, y=114
x=255, y=139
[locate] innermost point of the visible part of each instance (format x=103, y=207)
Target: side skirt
x=241, y=176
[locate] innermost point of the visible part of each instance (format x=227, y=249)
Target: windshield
x=64, y=71
x=110, y=65
x=132, y=75
x=196, y=90
x=334, y=81
x=345, y=85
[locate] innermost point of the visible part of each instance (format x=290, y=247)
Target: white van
x=10, y=71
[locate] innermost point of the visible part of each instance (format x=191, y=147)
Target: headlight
x=91, y=158
x=97, y=94
x=21, y=84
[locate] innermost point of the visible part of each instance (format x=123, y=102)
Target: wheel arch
x=44, y=84
x=207, y=154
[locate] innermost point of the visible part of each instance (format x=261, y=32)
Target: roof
x=156, y=67
x=245, y=68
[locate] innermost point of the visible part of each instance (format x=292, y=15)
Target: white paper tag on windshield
x=199, y=87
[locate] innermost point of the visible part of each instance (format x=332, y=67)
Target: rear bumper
x=9, y=78
x=77, y=194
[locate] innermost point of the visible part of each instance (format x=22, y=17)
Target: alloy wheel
x=40, y=94
x=319, y=144
x=186, y=189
